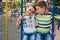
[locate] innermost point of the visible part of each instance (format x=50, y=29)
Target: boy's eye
x=31, y=10
x=37, y=9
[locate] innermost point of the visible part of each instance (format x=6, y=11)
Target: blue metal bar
x=53, y=11
x=22, y=20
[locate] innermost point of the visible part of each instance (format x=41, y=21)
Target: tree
x=0, y=0
x=57, y=2
x=18, y=2
x=34, y=1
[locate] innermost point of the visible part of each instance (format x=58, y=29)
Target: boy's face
x=40, y=10
x=30, y=10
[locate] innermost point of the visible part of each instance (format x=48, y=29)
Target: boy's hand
x=54, y=34
x=17, y=25
x=24, y=15
x=19, y=19
x=55, y=29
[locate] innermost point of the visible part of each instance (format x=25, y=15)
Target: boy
x=28, y=23
x=43, y=21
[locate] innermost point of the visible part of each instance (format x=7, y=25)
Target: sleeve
x=36, y=23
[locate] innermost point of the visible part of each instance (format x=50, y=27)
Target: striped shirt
x=43, y=23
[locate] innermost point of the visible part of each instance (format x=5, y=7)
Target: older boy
x=43, y=21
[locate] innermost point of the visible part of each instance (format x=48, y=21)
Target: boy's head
x=31, y=10
x=41, y=7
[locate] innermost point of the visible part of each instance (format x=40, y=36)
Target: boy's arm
x=36, y=24
x=55, y=29
x=19, y=21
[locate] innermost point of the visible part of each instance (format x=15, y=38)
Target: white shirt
x=29, y=24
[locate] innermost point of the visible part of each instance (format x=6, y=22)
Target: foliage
x=0, y=0
x=57, y=2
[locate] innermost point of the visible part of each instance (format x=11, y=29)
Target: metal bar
x=53, y=11
x=22, y=20
x=6, y=19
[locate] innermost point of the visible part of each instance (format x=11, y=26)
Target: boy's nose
x=29, y=11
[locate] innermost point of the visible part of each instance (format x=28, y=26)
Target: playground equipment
x=22, y=20
x=6, y=19
x=53, y=11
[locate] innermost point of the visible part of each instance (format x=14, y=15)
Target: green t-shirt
x=44, y=23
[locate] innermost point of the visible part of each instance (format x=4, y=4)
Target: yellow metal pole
x=6, y=19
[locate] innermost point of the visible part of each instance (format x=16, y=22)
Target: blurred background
x=14, y=11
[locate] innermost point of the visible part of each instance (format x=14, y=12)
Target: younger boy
x=28, y=23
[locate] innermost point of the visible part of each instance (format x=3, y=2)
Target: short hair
x=33, y=6
x=28, y=4
x=41, y=4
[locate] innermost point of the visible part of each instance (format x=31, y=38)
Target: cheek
x=30, y=13
x=42, y=10
x=26, y=10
